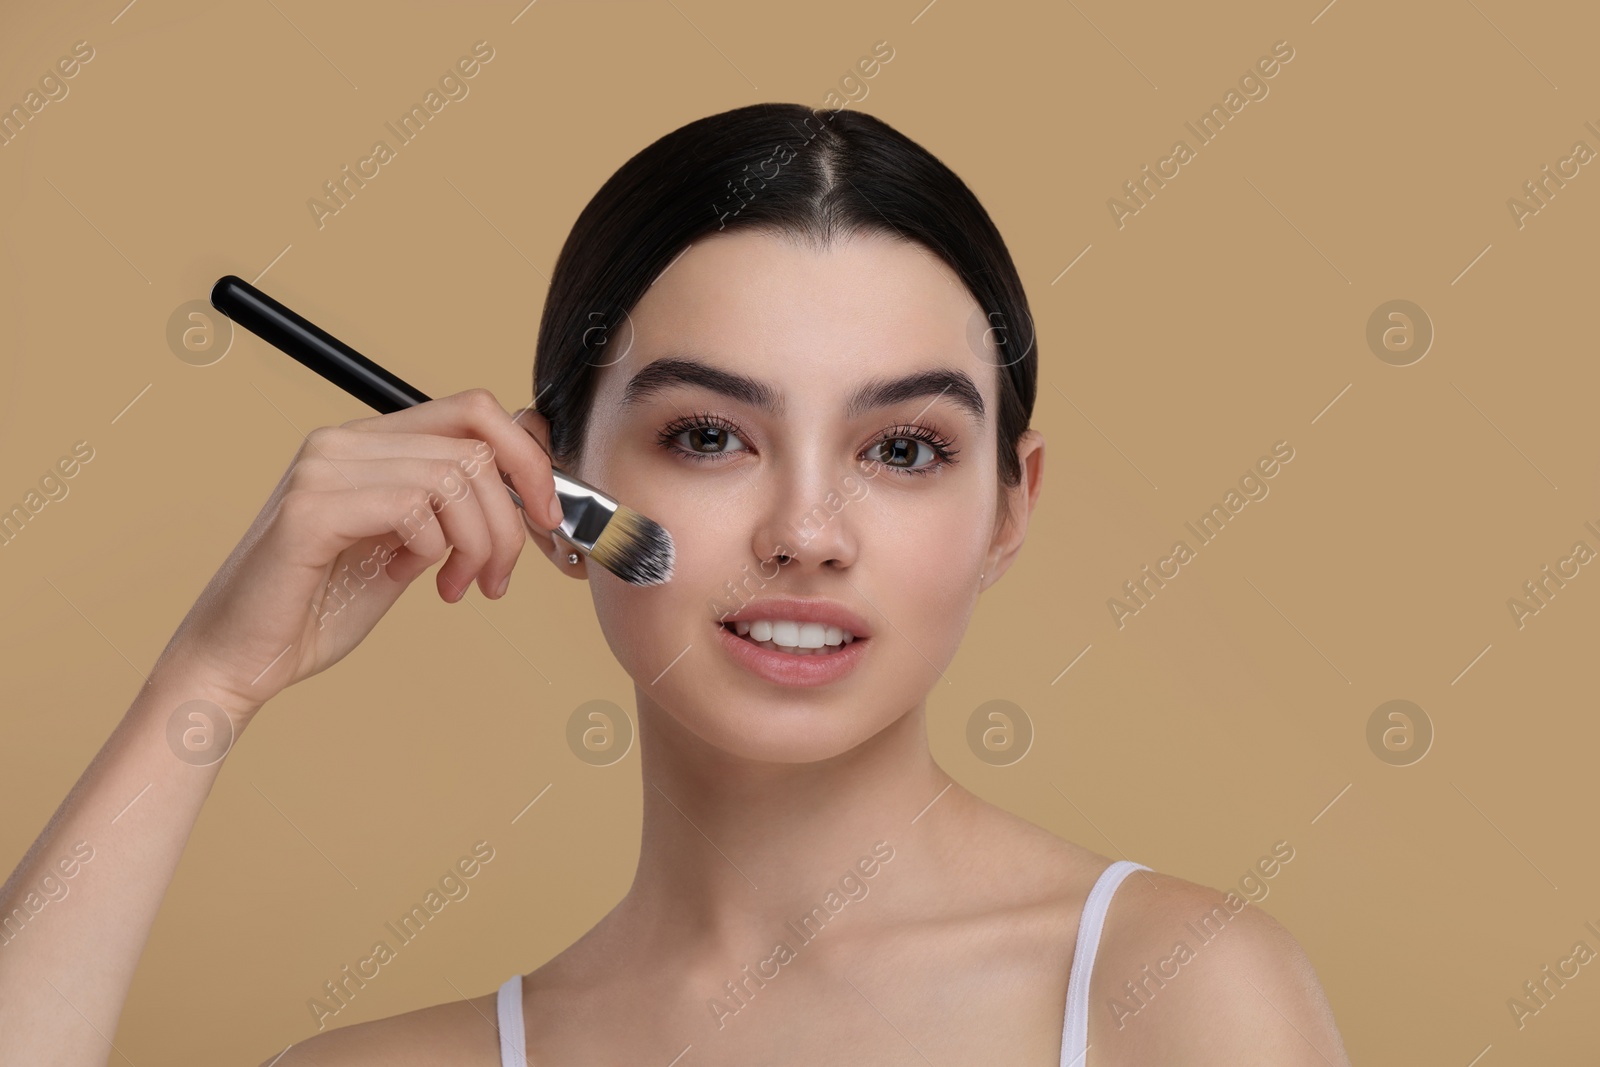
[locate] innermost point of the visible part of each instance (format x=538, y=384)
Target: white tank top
x=1074, y=1026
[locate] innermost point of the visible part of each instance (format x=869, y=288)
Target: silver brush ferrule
x=585, y=511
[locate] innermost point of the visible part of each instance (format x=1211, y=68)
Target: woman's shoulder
x=1178, y=959
x=458, y=1032
x=1175, y=960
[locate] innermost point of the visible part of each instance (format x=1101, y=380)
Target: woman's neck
x=733, y=849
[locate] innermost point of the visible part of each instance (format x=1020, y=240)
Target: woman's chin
x=774, y=733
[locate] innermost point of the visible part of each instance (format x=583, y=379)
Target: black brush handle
x=585, y=509
x=313, y=346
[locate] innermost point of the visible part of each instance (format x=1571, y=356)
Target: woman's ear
x=559, y=552
x=1017, y=504
x=536, y=424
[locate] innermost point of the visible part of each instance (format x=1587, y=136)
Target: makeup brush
x=634, y=548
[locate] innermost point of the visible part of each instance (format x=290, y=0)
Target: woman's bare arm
x=77, y=911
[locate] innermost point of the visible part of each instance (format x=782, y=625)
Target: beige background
x=1229, y=314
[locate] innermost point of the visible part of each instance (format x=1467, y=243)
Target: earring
x=572, y=557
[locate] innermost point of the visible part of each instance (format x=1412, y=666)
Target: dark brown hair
x=810, y=173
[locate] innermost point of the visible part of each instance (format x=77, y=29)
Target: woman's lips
x=785, y=668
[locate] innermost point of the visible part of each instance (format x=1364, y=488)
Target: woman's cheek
x=708, y=540
x=935, y=560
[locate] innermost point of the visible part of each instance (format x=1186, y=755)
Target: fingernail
x=555, y=511
x=504, y=585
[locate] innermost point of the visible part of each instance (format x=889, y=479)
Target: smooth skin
x=959, y=951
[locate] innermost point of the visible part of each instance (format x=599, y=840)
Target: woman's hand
x=364, y=508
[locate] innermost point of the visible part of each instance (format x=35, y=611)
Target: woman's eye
x=896, y=451
x=705, y=440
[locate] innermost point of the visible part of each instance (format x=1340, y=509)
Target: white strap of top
x=1075, y=1027
x=513, y=1039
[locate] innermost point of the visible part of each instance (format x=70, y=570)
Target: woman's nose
x=811, y=526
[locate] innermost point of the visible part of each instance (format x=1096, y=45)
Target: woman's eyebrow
x=672, y=371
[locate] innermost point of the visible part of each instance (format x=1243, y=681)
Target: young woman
x=796, y=339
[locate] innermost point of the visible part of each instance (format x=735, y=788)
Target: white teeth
x=790, y=636
x=769, y=646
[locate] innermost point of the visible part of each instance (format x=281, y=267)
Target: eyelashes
x=943, y=448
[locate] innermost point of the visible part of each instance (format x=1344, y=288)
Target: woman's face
x=889, y=510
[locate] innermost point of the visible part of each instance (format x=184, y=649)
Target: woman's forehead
x=782, y=308
x=851, y=271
